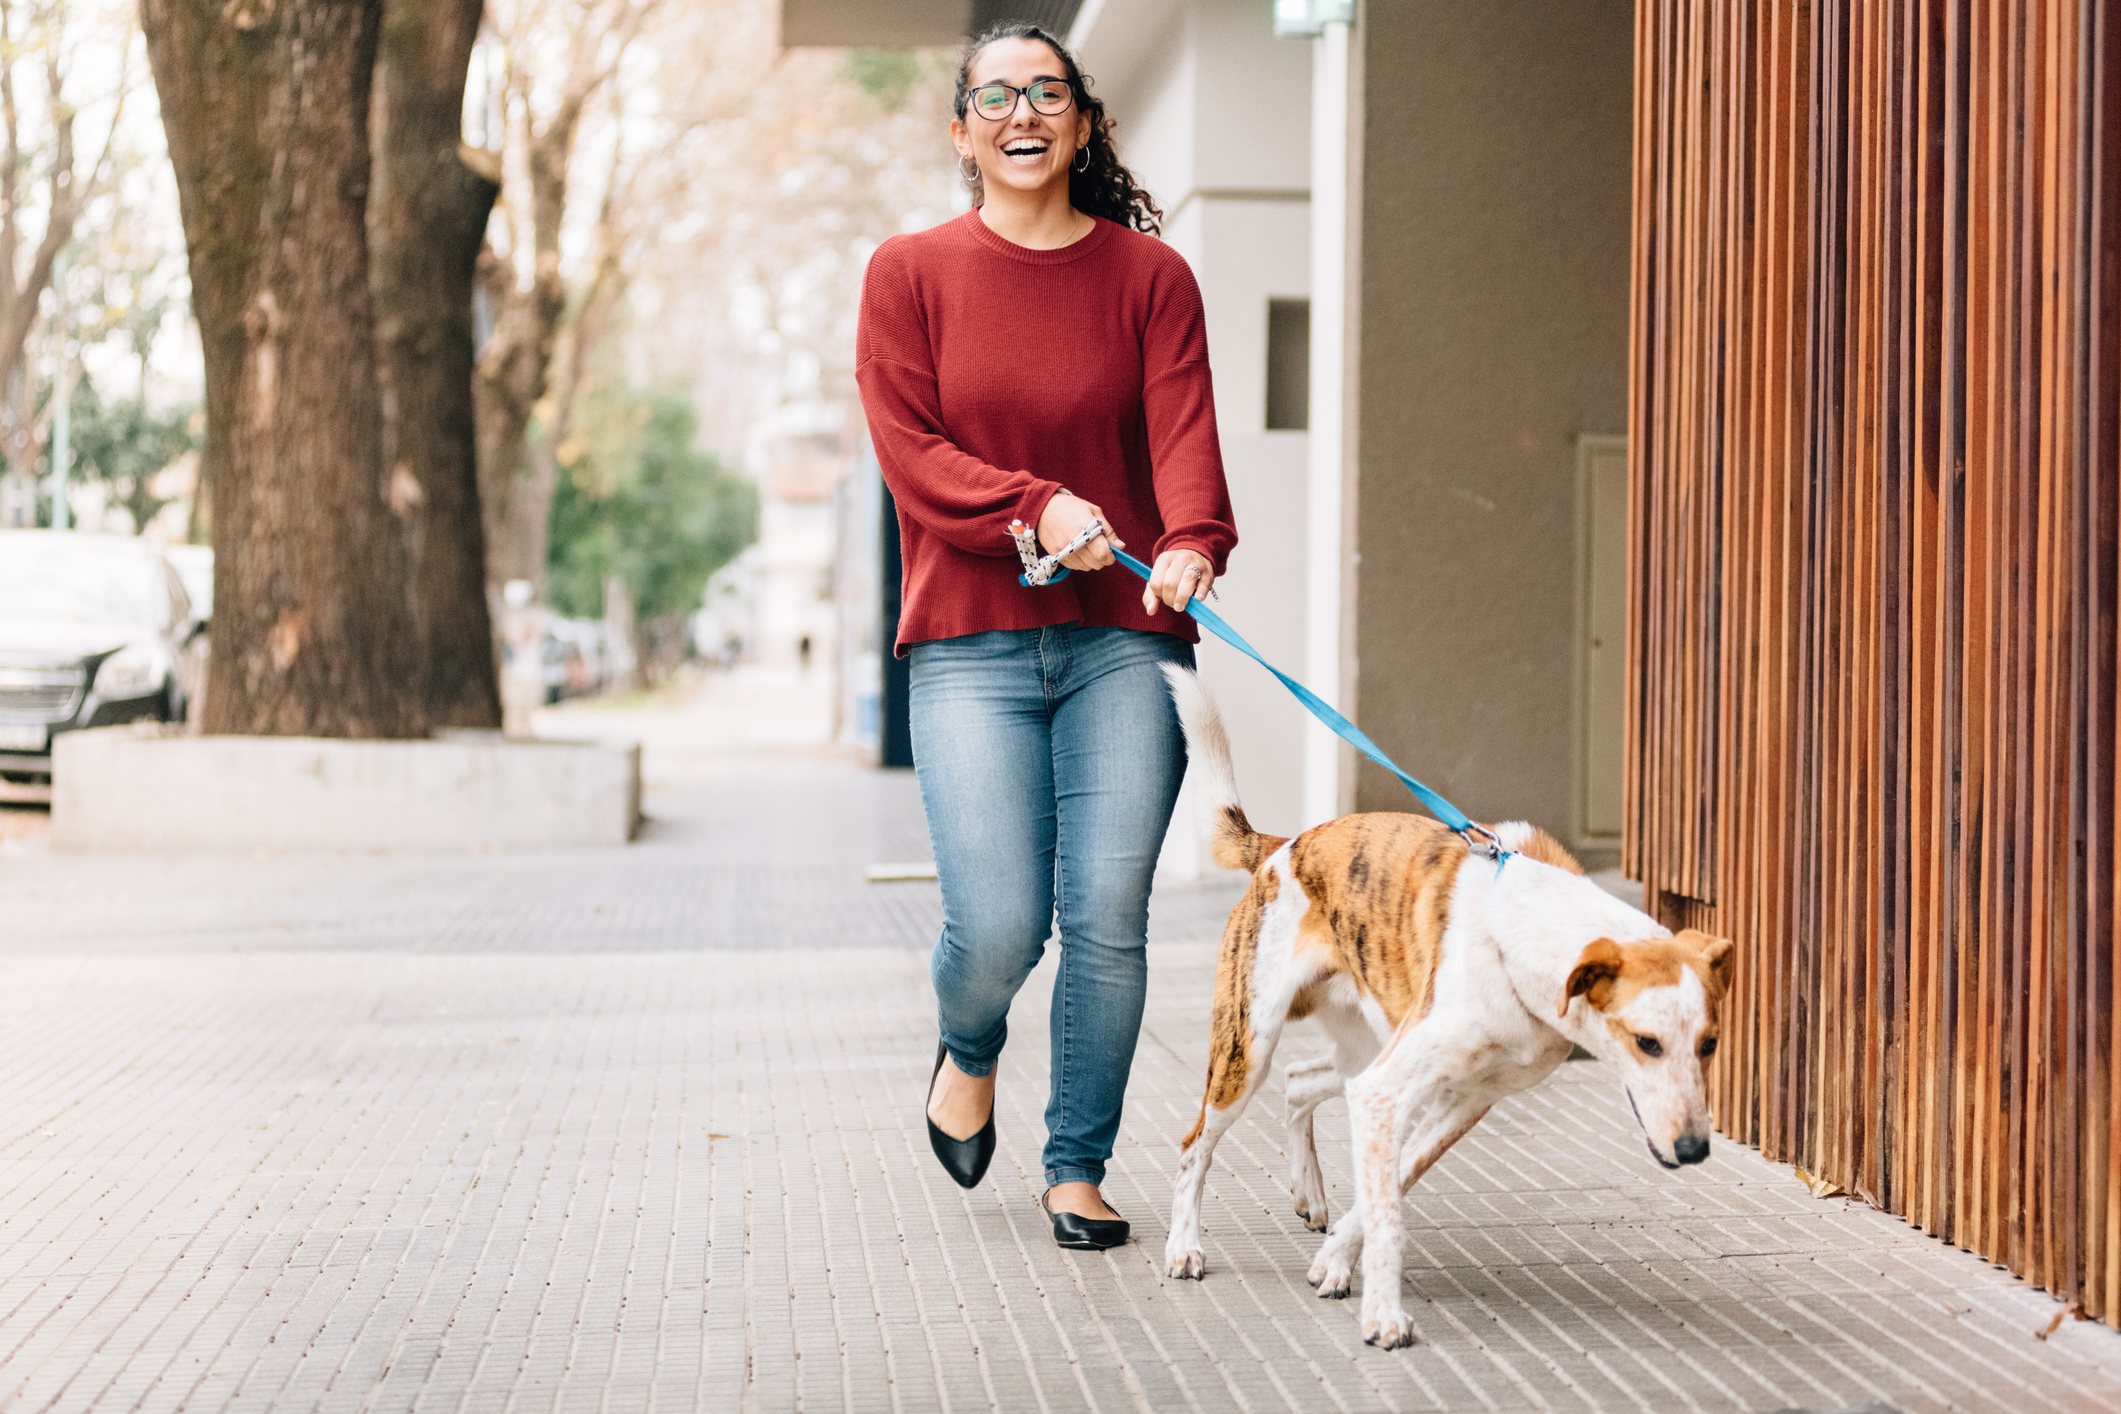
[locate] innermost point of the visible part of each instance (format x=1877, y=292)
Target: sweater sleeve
x=960, y=498
x=1178, y=399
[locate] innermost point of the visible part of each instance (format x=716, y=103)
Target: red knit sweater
x=993, y=375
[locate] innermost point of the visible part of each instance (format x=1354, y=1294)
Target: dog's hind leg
x=1355, y=1046
x=1310, y=1084
x=1183, y=1257
x=1257, y=980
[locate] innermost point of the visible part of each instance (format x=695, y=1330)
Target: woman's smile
x=1028, y=159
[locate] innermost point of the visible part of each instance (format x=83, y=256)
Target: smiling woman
x=1046, y=335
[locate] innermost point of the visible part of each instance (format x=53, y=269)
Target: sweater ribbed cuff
x=1032, y=504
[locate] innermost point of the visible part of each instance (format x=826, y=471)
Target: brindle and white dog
x=1444, y=984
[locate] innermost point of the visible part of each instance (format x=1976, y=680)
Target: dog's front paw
x=1313, y=1214
x=1388, y=1330
x=1333, y=1279
x=1186, y=1266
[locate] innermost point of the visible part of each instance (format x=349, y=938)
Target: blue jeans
x=1049, y=760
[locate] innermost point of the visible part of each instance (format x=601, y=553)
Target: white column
x=1323, y=789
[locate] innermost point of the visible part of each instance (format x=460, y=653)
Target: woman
x=1042, y=359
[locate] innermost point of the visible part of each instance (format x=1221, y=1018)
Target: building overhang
x=1114, y=38
x=910, y=24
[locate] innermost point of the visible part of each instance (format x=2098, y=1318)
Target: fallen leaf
x=2054, y=1325
x=1820, y=1187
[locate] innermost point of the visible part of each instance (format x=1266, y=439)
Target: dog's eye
x=1708, y=1047
x=1649, y=1045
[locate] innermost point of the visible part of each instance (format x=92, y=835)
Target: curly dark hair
x=1104, y=187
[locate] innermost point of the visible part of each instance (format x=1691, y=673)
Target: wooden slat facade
x=1876, y=462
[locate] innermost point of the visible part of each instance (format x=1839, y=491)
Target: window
x=1288, y=365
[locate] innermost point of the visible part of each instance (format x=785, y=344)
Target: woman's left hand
x=1177, y=576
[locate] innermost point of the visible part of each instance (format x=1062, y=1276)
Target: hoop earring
x=968, y=178
x=1085, y=154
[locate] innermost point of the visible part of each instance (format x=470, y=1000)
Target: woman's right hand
x=1063, y=519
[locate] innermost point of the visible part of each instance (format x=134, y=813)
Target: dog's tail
x=1232, y=842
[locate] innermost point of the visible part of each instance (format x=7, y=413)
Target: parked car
x=194, y=565
x=573, y=658
x=94, y=630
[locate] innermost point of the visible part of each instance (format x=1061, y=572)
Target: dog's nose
x=1690, y=1148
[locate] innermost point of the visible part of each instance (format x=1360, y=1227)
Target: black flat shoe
x=965, y=1160
x=1085, y=1234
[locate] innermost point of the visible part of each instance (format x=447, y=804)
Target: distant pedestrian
x=1043, y=359
x=802, y=651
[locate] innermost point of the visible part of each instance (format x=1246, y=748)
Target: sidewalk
x=641, y=1128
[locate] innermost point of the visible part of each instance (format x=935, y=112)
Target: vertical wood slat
x=2098, y=465
x=1875, y=501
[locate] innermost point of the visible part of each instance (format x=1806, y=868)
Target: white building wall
x=794, y=584
x=1148, y=87
x=1253, y=114
x=1214, y=118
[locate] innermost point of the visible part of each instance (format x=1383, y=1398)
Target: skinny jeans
x=1049, y=761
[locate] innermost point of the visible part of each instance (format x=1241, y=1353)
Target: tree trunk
x=514, y=493
x=199, y=525
x=266, y=108
x=508, y=384
x=427, y=220
x=516, y=486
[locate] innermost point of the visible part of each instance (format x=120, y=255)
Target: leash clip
x=1487, y=846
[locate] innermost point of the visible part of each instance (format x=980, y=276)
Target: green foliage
x=638, y=500
x=126, y=443
x=886, y=75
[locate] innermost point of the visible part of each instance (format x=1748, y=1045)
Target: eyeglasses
x=996, y=101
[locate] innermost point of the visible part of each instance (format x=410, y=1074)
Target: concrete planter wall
x=119, y=789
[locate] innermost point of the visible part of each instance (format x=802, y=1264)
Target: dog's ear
x=1593, y=975
x=1717, y=954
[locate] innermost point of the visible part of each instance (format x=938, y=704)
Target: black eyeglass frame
x=1024, y=94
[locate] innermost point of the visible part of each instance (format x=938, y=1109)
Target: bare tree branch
x=11, y=175
x=100, y=173
x=514, y=373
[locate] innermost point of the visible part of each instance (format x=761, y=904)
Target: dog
x=1446, y=981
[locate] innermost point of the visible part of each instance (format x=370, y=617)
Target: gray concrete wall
x=123, y=790
x=1490, y=330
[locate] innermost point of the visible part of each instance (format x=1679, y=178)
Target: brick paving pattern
x=641, y=1129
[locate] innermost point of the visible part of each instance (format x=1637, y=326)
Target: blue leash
x=1453, y=818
